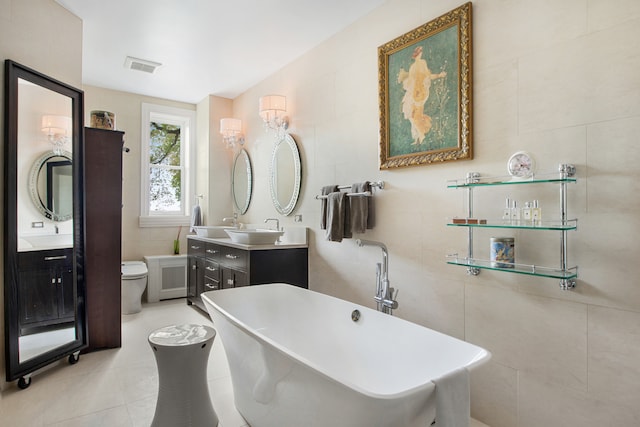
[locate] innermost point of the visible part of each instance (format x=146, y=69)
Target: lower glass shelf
x=531, y=270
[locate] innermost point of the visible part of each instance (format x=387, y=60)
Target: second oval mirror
x=241, y=181
x=285, y=175
x=50, y=185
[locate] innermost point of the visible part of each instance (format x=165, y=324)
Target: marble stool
x=182, y=354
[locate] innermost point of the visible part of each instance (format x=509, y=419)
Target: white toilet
x=134, y=281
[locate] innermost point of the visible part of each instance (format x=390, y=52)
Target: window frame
x=187, y=119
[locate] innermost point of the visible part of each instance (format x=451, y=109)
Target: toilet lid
x=134, y=269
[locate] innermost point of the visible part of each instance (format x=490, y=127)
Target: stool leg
x=183, y=394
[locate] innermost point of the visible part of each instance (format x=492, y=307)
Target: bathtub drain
x=355, y=315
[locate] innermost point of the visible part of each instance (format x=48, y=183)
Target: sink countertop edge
x=225, y=241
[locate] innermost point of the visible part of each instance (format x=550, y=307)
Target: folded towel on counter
x=359, y=207
x=335, y=216
x=453, y=400
x=323, y=204
x=196, y=217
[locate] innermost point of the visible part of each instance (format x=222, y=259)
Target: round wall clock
x=521, y=165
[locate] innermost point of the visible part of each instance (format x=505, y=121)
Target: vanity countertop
x=227, y=242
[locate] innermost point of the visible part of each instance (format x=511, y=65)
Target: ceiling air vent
x=141, y=64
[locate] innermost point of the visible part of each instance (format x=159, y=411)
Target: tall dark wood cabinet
x=103, y=222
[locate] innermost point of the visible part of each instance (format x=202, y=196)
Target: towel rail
x=374, y=184
x=365, y=193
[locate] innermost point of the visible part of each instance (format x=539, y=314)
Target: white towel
x=196, y=217
x=452, y=399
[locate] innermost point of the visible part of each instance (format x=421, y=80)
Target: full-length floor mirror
x=44, y=292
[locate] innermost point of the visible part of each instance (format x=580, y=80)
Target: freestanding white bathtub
x=297, y=358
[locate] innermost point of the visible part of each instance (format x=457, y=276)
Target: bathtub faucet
x=384, y=293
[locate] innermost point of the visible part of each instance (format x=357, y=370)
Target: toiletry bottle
x=506, y=213
x=526, y=212
x=536, y=213
x=515, y=213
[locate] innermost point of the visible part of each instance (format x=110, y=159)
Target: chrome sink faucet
x=234, y=220
x=384, y=293
x=274, y=219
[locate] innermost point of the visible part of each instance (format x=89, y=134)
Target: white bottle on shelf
x=527, y=212
x=506, y=213
x=515, y=214
x=536, y=213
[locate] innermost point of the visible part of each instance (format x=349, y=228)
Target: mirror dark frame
x=45, y=204
x=15, y=369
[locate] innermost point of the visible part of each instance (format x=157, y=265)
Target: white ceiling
x=206, y=47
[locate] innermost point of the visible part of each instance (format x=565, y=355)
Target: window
x=167, y=182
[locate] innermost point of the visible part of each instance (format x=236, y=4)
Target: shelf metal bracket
x=472, y=178
x=566, y=171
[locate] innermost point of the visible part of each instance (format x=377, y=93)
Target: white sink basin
x=48, y=241
x=212, y=231
x=254, y=237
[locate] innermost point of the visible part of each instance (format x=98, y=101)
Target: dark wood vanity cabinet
x=214, y=266
x=195, y=275
x=103, y=230
x=46, y=298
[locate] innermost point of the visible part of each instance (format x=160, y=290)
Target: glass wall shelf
x=570, y=224
x=507, y=180
x=564, y=175
x=531, y=270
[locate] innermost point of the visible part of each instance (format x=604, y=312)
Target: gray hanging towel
x=323, y=204
x=196, y=217
x=359, y=207
x=335, y=216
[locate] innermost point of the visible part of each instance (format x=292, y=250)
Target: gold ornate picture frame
x=425, y=91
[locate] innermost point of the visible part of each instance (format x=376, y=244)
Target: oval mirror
x=51, y=185
x=285, y=175
x=241, y=181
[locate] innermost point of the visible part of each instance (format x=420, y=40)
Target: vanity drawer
x=211, y=284
x=234, y=258
x=44, y=259
x=212, y=251
x=211, y=270
x=195, y=247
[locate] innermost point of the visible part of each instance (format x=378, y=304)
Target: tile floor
x=118, y=387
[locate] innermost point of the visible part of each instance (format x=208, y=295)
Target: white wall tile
x=543, y=404
x=494, y=395
x=613, y=172
x=614, y=351
x=590, y=79
x=534, y=334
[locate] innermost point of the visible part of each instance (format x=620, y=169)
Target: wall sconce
x=231, y=130
x=57, y=129
x=272, y=111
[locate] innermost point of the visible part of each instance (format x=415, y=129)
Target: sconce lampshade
x=231, y=130
x=230, y=127
x=272, y=105
x=56, y=125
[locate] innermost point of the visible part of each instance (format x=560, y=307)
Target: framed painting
x=425, y=93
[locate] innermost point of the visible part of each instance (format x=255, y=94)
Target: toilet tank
x=167, y=277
